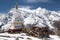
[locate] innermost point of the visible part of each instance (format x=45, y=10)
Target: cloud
x=36, y=1
x=29, y=7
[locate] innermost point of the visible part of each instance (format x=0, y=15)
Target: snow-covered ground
x=23, y=36
x=55, y=37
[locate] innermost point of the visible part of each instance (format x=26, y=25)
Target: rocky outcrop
x=34, y=31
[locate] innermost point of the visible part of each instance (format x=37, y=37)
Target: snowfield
x=23, y=36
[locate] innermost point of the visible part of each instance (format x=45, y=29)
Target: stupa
x=17, y=23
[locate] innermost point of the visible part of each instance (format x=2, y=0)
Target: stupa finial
x=16, y=5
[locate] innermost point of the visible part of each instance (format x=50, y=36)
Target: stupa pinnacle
x=16, y=5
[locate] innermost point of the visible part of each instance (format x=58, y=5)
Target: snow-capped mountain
x=40, y=17
x=2, y=20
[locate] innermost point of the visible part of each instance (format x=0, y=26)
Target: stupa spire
x=16, y=5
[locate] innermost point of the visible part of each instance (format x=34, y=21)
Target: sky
x=6, y=5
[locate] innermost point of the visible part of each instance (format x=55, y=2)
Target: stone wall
x=34, y=31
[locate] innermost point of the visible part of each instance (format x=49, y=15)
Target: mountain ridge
x=38, y=17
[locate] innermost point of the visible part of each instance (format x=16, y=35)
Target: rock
x=17, y=38
x=35, y=31
x=29, y=39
